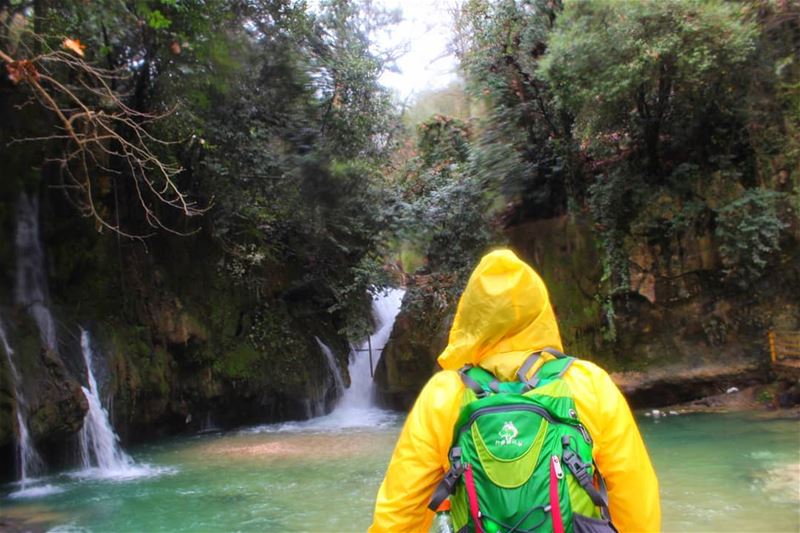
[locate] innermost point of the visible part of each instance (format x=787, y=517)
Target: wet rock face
x=670, y=386
x=6, y=407
x=564, y=253
x=241, y=366
x=679, y=314
x=409, y=358
x=58, y=406
x=176, y=326
x=678, y=310
x=671, y=271
x=53, y=404
x=182, y=348
x=199, y=351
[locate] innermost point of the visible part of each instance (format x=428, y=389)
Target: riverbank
x=779, y=398
x=736, y=386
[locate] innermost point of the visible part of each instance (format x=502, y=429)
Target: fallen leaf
x=74, y=45
x=14, y=72
x=19, y=70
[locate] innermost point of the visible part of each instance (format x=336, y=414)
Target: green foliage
x=444, y=205
x=657, y=119
x=651, y=116
x=613, y=199
x=279, y=124
x=523, y=145
x=442, y=141
x=292, y=152
x=346, y=66
x=765, y=396
x=638, y=71
x=749, y=234
x=154, y=17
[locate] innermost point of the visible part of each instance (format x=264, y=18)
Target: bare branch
x=95, y=125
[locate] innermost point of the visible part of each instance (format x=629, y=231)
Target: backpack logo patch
x=508, y=435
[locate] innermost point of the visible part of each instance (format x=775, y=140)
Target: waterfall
x=334, y=380
x=356, y=407
x=98, y=442
x=208, y=425
x=385, y=308
x=30, y=290
x=28, y=460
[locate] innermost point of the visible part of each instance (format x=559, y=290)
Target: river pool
x=718, y=472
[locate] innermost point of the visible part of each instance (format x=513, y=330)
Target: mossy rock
x=7, y=405
x=239, y=363
x=564, y=253
x=58, y=407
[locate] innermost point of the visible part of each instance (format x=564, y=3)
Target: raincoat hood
x=504, y=314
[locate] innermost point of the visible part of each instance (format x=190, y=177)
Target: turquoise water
x=717, y=473
x=727, y=472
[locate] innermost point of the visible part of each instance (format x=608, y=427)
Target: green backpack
x=520, y=460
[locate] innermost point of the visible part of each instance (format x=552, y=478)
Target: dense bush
x=749, y=233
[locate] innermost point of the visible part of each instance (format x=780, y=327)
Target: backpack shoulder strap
x=549, y=371
x=470, y=381
x=553, y=369
x=479, y=380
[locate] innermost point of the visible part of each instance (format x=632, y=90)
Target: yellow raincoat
x=504, y=314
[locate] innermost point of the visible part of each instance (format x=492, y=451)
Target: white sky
x=425, y=29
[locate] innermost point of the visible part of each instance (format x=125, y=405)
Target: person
x=504, y=315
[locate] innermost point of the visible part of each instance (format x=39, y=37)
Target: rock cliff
x=684, y=330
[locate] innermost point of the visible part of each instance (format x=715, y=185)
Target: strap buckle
x=448, y=483
x=580, y=470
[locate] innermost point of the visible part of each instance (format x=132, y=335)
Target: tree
x=524, y=141
x=650, y=72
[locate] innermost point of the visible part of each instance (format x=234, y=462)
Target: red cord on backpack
x=472, y=496
x=555, y=507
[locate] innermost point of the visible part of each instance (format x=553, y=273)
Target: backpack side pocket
x=585, y=524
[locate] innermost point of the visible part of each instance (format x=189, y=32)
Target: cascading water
x=98, y=442
x=356, y=407
x=385, y=308
x=28, y=460
x=30, y=290
x=334, y=380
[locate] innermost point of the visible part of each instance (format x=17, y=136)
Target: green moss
x=223, y=312
x=129, y=362
x=239, y=363
x=158, y=372
x=564, y=252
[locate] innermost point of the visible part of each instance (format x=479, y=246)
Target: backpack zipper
x=555, y=500
x=505, y=408
x=557, y=467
